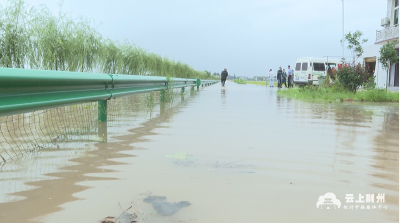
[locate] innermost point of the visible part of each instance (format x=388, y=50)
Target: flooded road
x=237, y=154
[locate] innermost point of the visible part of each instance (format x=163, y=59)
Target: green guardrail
x=24, y=90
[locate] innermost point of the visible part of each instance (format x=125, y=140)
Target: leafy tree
x=388, y=56
x=354, y=44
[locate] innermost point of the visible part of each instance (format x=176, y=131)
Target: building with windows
x=370, y=57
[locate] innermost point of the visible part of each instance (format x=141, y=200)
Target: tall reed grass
x=31, y=37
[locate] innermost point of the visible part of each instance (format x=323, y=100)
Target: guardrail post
x=191, y=90
x=183, y=90
x=162, y=108
x=162, y=95
x=198, y=83
x=102, y=119
x=102, y=111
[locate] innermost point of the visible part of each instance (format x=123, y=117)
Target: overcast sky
x=247, y=37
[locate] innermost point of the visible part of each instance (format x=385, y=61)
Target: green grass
x=239, y=81
x=262, y=83
x=331, y=94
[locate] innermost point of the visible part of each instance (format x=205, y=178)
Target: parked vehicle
x=309, y=69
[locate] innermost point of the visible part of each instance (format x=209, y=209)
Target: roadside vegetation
x=239, y=81
x=352, y=82
x=339, y=95
x=262, y=83
x=34, y=38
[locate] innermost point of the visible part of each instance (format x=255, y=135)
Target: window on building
x=298, y=65
x=319, y=66
x=304, y=66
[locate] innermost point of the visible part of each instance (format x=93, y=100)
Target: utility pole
x=343, y=27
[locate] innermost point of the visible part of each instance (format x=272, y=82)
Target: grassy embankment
x=262, y=83
x=332, y=94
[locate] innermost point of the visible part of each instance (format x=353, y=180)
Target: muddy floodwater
x=234, y=154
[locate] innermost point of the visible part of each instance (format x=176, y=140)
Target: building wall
x=389, y=10
x=373, y=50
x=381, y=73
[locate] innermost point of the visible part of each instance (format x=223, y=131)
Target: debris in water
x=152, y=199
x=109, y=219
x=162, y=206
x=122, y=218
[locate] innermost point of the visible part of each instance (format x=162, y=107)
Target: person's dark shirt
x=224, y=74
x=279, y=74
x=284, y=75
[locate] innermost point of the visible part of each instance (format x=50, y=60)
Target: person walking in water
x=279, y=77
x=271, y=78
x=224, y=75
x=284, y=75
x=290, y=76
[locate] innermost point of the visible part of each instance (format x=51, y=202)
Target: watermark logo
x=328, y=201
x=363, y=202
x=369, y=201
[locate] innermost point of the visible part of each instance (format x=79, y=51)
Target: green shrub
x=352, y=77
x=370, y=84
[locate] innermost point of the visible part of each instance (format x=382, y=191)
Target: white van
x=308, y=69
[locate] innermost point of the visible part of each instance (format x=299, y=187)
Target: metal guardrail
x=205, y=83
x=24, y=90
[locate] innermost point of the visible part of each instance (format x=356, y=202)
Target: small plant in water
x=150, y=99
x=169, y=92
